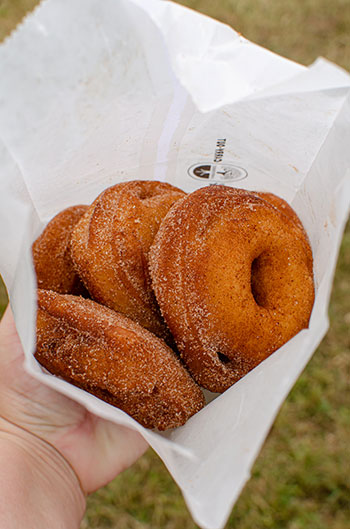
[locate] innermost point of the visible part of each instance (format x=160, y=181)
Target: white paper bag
x=93, y=93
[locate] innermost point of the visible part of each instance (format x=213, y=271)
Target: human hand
x=96, y=449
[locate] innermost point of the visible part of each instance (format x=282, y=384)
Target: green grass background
x=302, y=477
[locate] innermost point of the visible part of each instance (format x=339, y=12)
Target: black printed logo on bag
x=217, y=172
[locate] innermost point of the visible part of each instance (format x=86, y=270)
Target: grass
x=3, y=297
x=301, y=30
x=301, y=478
x=11, y=12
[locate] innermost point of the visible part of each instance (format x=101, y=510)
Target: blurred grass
x=11, y=12
x=301, y=30
x=301, y=478
x=3, y=297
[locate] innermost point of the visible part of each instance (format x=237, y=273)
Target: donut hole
x=257, y=281
x=223, y=358
x=142, y=190
x=155, y=390
x=143, y=194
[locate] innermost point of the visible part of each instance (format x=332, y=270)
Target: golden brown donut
x=51, y=254
x=115, y=359
x=232, y=278
x=110, y=247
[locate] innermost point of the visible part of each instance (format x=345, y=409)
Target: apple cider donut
x=110, y=247
x=114, y=358
x=232, y=277
x=51, y=254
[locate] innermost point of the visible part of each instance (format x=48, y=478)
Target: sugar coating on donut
x=292, y=217
x=110, y=248
x=115, y=359
x=51, y=254
x=232, y=276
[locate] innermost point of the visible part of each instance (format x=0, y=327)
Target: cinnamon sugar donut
x=110, y=247
x=115, y=359
x=232, y=277
x=51, y=254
